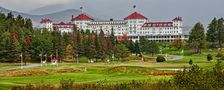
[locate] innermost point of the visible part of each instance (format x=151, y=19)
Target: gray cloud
x=192, y=11
x=26, y=5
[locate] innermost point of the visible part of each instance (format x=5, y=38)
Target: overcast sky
x=192, y=11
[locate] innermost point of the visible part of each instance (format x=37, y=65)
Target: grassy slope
x=99, y=71
x=94, y=73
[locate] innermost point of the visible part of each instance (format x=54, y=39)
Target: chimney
x=72, y=16
x=111, y=19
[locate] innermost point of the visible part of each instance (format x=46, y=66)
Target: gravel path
x=23, y=67
x=173, y=57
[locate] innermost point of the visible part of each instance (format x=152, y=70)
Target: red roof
x=54, y=59
x=158, y=24
x=177, y=18
x=46, y=20
x=64, y=25
x=135, y=15
x=82, y=16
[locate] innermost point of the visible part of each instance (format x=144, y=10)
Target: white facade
x=135, y=26
x=62, y=27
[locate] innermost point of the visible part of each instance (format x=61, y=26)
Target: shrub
x=219, y=55
x=160, y=59
x=209, y=57
x=190, y=62
x=222, y=58
x=66, y=84
x=199, y=79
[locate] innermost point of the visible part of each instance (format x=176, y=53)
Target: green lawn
x=95, y=72
x=116, y=72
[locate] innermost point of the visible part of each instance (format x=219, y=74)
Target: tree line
x=213, y=38
x=18, y=37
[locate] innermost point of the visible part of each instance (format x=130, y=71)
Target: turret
x=46, y=24
x=135, y=22
x=177, y=22
x=82, y=20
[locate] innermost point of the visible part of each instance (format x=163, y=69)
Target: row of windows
x=136, y=21
x=165, y=28
x=149, y=37
x=80, y=23
x=115, y=26
x=107, y=23
x=168, y=32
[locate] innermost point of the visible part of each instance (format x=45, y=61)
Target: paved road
x=173, y=57
x=23, y=67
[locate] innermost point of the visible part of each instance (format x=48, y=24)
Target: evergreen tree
x=101, y=42
x=28, y=24
x=79, y=44
x=20, y=21
x=212, y=31
x=152, y=48
x=220, y=32
x=112, y=38
x=137, y=48
x=143, y=44
x=91, y=48
x=121, y=51
x=10, y=16
x=131, y=46
x=197, y=38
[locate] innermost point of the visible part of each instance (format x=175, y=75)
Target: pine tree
x=131, y=46
x=152, y=48
x=197, y=38
x=212, y=31
x=20, y=21
x=101, y=42
x=91, y=48
x=143, y=42
x=79, y=43
x=137, y=48
x=28, y=24
x=121, y=51
x=220, y=32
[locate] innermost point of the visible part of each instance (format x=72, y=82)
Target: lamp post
x=77, y=55
x=51, y=58
x=45, y=58
x=21, y=56
x=113, y=57
x=41, y=60
x=57, y=54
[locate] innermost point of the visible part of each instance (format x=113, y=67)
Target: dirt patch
x=162, y=74
x=67, y=70
x=27, y=73
x=15, y=73
x=129, y=69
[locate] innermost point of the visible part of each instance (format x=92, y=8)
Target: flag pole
x=134, y=6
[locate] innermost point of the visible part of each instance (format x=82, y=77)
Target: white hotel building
x=134, y=26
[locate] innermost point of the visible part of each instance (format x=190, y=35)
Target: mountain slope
x=56, y=17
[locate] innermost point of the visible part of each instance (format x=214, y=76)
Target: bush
x=222, y=58
x=209, y=57
x=160, y=59
x=190, y=62
x=197, y=78
x=219, y=55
